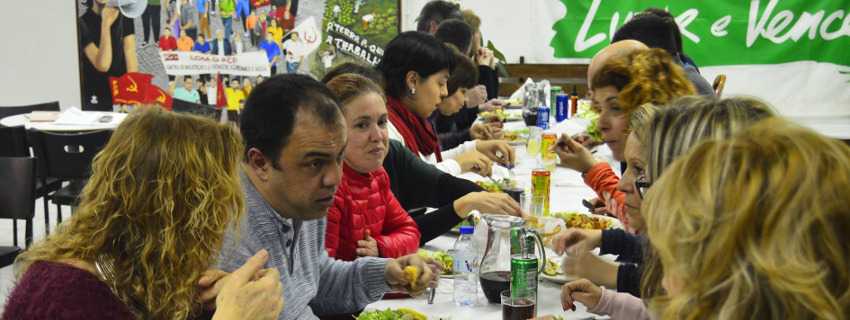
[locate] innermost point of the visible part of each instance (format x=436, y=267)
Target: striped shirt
x=313, y=283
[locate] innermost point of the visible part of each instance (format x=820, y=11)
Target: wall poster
x=180, y=47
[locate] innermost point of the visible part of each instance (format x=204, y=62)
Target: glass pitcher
x=504, y=235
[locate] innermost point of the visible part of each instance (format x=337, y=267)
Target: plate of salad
x=442, y=257
x=390, y=314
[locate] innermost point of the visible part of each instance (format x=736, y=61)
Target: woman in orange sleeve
x=620, y=85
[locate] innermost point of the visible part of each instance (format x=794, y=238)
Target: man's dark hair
x=354, y=67
x=438, y=11
x=187, y=78
x=465, y=74
x=456, y=32
x=412, y=51
x=273, y=107
x=663, y=14
x=650, y=30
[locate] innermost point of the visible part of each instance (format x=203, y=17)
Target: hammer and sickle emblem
x=134, y=87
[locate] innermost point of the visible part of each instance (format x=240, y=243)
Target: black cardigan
x=417, y=184
x=630, y=248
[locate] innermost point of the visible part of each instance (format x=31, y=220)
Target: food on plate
x=389, y=314
x=592, y=131
x=497, y=186
x=546, y=237
x=489, y=113
x=510, y=103
x=515, y=135
x=441, y=257
x=504, y=115
x=553, y=267
x=465, y=222
x=579, y=220
x=533, y=222
x=411, y=273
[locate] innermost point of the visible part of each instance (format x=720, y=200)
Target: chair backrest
x=17, y=187
x=68, y=155
x=13, y=110
x=182, y=106
x=13, y=142
x=718, y=84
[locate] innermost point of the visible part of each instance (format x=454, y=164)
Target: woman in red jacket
x=366, y=219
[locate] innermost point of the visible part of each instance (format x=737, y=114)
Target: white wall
x=38, y=60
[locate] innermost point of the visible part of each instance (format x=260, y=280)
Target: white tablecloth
x=567, y=191
x=23, y=120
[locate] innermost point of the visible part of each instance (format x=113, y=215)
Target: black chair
x=11, y=111
x=14, y=143
x=182, y=106
x=17, y=200
x=68, y=156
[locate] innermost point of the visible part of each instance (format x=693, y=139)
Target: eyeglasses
x=641, y=185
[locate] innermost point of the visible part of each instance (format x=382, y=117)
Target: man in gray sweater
x=294, y=135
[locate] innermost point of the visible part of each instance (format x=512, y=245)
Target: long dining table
x=566, y=193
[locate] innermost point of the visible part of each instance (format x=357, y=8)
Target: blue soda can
x=562, y=101
x=543, y=118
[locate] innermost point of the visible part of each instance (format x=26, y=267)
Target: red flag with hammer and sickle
x=130, y=88
x=156, y=95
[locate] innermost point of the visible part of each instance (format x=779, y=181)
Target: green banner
x=721, y=32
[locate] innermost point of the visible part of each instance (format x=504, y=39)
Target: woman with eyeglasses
x=624, y=276
x=657, y=137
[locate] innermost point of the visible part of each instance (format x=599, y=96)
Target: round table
x=567, y=191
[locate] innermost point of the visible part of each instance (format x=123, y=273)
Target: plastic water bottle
x=465, y=268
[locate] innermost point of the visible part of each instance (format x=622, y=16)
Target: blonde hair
x=755, y=227
x=474, y=21
x=676, y=128
x=161, y=195
x=689, y=120
x=643, y=76
x=641, y=116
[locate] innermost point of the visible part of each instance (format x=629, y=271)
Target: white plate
x=564, y=278
x=615, y=223
x=516, y=142
x=560, y=278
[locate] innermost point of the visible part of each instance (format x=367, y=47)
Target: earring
x=412, y=90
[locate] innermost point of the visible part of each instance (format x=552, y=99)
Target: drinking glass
x=533, y=144
x=531, y=204
x=518, y=307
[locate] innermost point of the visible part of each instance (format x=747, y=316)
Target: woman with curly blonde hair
x=620, y=85
x=149, y=225
x=755, y=227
